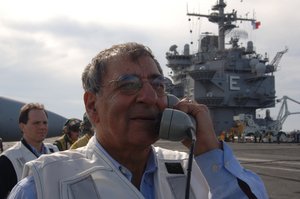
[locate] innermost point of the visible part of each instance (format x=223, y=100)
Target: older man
x=124, y=99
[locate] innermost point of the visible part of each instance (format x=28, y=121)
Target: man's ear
x=90, y=106
x=21, y=126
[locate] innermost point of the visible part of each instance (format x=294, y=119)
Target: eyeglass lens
x=131, y=84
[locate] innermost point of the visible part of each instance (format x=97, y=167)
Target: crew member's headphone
x=67, y=128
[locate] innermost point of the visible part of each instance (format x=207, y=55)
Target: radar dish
x=237, y=34
x=173, y=48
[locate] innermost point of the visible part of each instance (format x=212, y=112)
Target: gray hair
x=94, y=72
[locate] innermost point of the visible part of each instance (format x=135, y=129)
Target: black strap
x=28, y=147
x=246, y=189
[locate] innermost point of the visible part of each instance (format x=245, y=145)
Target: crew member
x=70, y=135
x=86, y=130
x=33, y=123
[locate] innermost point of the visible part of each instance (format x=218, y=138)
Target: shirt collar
x=37, y=153
x=151, y=166
x=33, y=150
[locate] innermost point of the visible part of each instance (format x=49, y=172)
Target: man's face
x=74, y=135
x=125, y=119
x=36, y=129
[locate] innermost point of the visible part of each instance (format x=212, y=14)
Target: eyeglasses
x=130, y=84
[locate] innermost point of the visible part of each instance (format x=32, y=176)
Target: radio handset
x=175, y=125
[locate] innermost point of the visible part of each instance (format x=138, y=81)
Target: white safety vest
x=87, y=173
x=19, y=154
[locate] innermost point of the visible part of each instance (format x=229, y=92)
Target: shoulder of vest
x=62, y=156
x=13, y=149
x=60, y=139
x=168, y=154
x=52, y=148
x=81, y=141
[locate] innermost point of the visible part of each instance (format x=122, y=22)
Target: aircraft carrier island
x=233, y=82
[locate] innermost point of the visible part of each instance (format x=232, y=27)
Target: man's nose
x=147, y=94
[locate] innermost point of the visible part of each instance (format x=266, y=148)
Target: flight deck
x=277, y=164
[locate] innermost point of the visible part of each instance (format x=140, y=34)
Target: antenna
x=224, y=21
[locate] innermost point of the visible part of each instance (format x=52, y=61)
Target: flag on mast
x=256, y=24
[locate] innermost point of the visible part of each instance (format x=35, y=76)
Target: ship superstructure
x=229, y=81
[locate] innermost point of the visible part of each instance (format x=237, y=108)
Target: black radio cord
x=190, y=163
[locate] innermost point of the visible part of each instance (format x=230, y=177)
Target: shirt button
x=215, y=168
x=227, y=164
x=122, y=170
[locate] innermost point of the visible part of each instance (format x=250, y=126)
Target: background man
x=33, y=123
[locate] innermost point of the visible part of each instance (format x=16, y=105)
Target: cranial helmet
x=72, y=124
x=86, y=126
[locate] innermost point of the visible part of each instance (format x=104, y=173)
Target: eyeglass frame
x=160, y=88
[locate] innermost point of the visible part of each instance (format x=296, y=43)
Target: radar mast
x=224, y=21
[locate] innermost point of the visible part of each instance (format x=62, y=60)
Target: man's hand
x=205, y=134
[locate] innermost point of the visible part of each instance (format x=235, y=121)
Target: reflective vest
x=81, y=141
x=63, y=143
x=19, y=154
x=87, y=173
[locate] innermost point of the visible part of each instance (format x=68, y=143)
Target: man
x=124, y=98
x=33, y=123
x=70, y=135
x=87, y=130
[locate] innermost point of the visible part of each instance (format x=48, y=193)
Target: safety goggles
x=130, y=84
x=75, y=128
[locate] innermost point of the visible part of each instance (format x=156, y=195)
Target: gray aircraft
x=230, y=81
x=9, y=116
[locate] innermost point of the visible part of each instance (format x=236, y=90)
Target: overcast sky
x=45, y=44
